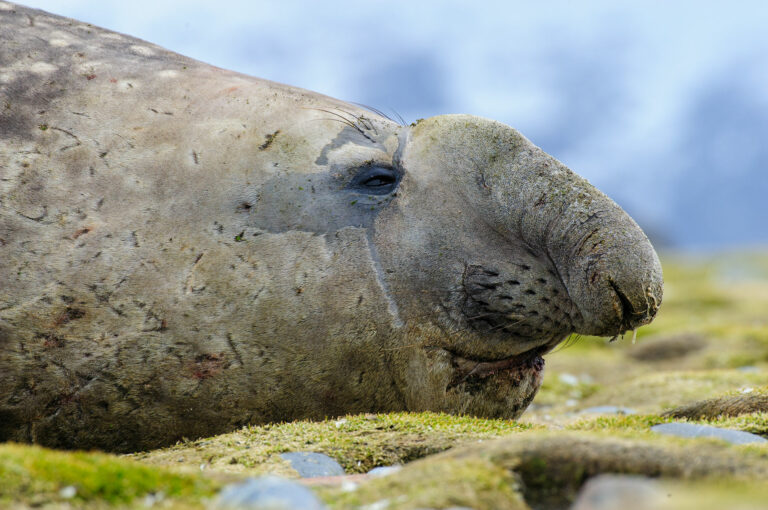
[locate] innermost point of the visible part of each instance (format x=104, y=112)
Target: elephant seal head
x=490, y=251
x=516, y=253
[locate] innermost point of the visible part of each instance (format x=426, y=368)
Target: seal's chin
x=500, y=388
x=518, y=368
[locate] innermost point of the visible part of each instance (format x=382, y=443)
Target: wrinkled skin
x=185, y=250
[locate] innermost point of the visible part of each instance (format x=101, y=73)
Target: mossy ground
x=710, y=340
x=38, y=477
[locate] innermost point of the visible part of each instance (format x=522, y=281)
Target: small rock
x=608, y=410
x=268, y=493
x=610, y=492
x=68, y=492
x=693, y=430
x=153, y=498
x=311, y=464
x=384, y=470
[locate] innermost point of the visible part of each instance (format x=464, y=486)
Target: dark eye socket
x=375, y=180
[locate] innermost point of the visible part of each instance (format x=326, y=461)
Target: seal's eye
x=375, y=180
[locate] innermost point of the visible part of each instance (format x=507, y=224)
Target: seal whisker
x=399, y=117
x=572, y=340
x=355, y=125
x=331, y=120
x=366, y=123
x=379, y=112
x=509, y=325
x=343, y=119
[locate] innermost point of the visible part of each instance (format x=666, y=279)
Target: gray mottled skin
x=182, y=251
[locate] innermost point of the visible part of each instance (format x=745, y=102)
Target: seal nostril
x=629, y=317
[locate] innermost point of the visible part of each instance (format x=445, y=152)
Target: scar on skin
x=268, y=139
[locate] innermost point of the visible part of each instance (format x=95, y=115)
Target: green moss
x=36, y=476
x=622, y=425
x=755, y=423
x=358, y=442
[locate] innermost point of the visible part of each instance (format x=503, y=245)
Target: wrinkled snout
x=603, y=259
x=610, y=269
x=564, y=233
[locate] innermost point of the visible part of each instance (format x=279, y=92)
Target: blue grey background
x=663, y=105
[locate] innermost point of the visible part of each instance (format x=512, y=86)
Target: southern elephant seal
x=184, y=250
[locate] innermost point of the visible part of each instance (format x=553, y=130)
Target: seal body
x=185, y=250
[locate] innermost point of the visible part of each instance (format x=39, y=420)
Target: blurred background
x=662, y=105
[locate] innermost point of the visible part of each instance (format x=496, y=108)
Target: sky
x=663, y=105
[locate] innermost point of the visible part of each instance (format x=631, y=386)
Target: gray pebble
x=611, y=492
x=311, y=464
x=267, y=493
x=608, y=410
x=693, y=430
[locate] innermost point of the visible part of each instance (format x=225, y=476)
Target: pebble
x=693, y=430
x=312, y=464
x=625, y=492
x=608, y=410
x=384, y=470
x=267, y=493
x=68, y=492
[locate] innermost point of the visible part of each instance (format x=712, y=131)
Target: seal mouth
x=518, y=367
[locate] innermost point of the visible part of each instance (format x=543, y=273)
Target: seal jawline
x=519, y=366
